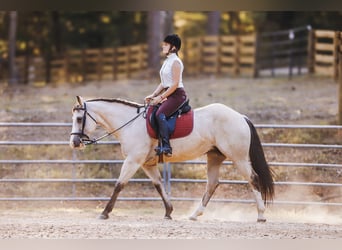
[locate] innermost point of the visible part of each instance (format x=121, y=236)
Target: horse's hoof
x=168, y=154
x=193, y=218
x=261, y=220
x=103, y=216
x=168, y=217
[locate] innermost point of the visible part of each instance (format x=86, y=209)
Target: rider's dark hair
x=174, y=40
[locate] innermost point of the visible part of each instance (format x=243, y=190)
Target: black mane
x=118, y=100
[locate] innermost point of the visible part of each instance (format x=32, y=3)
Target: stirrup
x=161, y=150
x=158, y=150
x=167, y=152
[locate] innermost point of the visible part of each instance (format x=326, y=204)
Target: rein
x=88, y=141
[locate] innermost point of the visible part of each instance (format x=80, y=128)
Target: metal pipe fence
x=166, y=172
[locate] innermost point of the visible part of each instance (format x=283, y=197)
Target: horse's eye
x=79, y=119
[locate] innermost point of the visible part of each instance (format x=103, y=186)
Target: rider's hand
x=148, y=98
x=157, y=99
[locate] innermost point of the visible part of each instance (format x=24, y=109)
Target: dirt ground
x=219, y=222
x=302, y=100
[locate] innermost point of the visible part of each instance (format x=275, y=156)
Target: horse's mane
x=118, y=100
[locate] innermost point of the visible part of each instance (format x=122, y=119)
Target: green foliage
x=280, y=20
x=190, y=24
x=103, y=29
x=40, y=32
x=46, y=32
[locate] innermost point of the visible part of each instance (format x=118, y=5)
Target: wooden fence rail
x=283, y=49
x=99, y=64
x=325, y=53
x=339, y=73
x=233, y=55
x=224, y=55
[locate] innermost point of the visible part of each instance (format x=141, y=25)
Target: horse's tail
x=260, y=166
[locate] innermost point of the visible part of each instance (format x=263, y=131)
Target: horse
x=219, y=132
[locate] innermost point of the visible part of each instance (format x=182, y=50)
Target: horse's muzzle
x=75, y=142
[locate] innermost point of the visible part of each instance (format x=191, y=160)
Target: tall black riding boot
x=165, y=147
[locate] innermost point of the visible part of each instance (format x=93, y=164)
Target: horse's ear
x=79, y=100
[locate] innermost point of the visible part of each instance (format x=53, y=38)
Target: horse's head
x=81, y=126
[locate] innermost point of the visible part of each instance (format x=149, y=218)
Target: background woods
x=60, y=46
x=51, y=34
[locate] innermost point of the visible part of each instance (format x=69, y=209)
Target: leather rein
x=85, y=139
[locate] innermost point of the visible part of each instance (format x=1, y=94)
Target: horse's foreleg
x=167, y=204
x=110, y=205
x=215, y=159
x=127, y=171
x=153, y=173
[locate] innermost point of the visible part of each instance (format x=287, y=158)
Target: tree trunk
x=154, y=39
x=168, y=22
x=13, y=74
x=340, y=79
x=56, y=31
x=213, y=25
x=234, y=22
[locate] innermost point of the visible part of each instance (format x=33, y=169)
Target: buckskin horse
x=218, y=131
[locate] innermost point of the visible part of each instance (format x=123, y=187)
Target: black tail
x=260, y=166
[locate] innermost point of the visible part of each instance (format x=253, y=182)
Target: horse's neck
x=111, y=115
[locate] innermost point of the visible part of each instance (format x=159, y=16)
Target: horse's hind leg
x=154, y=174
x=247, y=171
x=215, y=159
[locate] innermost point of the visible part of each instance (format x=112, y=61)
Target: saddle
x=180, y=123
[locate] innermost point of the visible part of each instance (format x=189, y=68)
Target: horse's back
x=217, y=111
x=224, y=126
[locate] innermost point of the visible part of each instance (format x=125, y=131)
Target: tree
x=213, y=25
x=153, y=40
x=12, y=33
x=168, y=22
x=56, y=31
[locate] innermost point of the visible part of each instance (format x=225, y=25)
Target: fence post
x=291, y=59
x=99, y=64
x=167, y=178
x=67, y=65
x=115, y=63
x=73, y=173
x=310, y=59
x=272, y=55
x=257, y=56
x=83, y=65
x=335, y=53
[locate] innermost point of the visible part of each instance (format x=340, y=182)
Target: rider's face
x=166, y=48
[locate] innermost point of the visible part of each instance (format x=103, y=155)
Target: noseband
x=84, y=137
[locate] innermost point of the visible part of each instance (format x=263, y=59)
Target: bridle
x=83, y=136
x=85, y=139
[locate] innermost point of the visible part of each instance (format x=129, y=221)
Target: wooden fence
x=283, y=51
x=324, y=53
x=99, y=64
x=234, y=55
x=339, y=74
x=218, y=55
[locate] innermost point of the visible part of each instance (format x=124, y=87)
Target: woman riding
x=170, y=93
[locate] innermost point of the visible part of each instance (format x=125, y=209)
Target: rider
x=170, y=93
